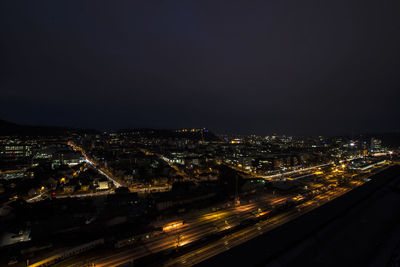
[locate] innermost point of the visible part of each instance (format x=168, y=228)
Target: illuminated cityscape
x=199, y=133
x=167, y=197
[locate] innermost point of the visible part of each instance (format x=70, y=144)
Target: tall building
x=376, y=145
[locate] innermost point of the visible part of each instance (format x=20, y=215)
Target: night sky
x=290, y=67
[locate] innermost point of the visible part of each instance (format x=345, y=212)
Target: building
x=376, y=145
x=15, y=150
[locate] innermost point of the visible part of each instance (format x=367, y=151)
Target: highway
x=203, y=225
x=269, y=177
x=209, y=250
x=193, y=229
x=250, y=232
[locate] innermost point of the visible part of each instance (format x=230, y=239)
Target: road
x=305, y=169
x=248, y=233
x=167, y=161
x=94, y=165
x=91, y=162
x=198, y=255
x=194, y=229
x=201, y=226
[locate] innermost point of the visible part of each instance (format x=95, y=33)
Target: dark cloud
x=296, y=67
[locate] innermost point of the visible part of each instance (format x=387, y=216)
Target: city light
x=248, y=133
x=172, y=225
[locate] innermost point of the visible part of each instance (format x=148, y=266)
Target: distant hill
x=12, y=129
